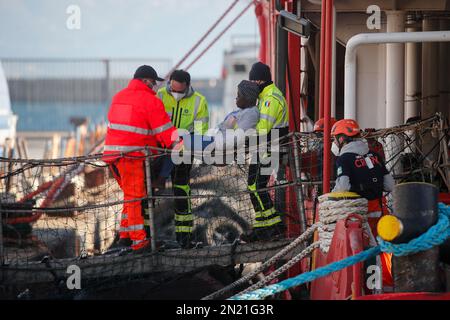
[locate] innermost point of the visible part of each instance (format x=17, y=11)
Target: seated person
x=245, y=117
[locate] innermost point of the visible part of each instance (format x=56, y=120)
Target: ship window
x=239, y=68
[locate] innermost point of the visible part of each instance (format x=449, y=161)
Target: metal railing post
x=298, y=186
x=2, y=252
x=150, y=200
x=444, y=146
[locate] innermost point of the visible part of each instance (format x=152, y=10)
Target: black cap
x=249, y=90
x=260, y=71
x=146, y=72
x=181, y=76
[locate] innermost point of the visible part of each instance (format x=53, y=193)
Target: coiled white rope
x=331, y=211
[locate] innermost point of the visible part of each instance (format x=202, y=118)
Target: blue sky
x=121, y=29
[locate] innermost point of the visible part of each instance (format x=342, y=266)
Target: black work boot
x=122, y=246
x=276, y=232
x=123, y=243
x=184, y=240
x=143, y=247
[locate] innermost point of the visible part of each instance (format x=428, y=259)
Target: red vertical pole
x=272, y=23
x=327, y=96
x=293, y=90
x=322, y=56
x=261, y=15
x=293, y=96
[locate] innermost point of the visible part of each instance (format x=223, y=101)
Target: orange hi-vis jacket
x=137, y=118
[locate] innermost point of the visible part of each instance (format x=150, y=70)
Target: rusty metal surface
x=417, y=273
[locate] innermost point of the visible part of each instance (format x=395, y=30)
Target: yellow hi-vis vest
x=189, y=113
x=273, y=110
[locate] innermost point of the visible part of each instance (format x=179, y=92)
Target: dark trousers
x=261, y=200
x=265, y=213
x=184, y=220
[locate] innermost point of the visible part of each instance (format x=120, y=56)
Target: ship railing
x=75, y=213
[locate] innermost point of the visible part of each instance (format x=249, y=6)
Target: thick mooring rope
x=436, y=235
x=331, y=211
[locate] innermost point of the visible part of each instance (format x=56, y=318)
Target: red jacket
x=137, y=118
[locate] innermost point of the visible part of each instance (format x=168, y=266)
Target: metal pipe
x=395, y=71
x=413, y=71
x=106, y=81
x=304, y=75
x=444, y=72
x=281, y=58
x=326, y=173
x=305, y=48
x=2, y=252
x=413, y=82
x=430, y=71
x=445, y=154
x=430, y=87
x=377, y=38
x=299, y=188
x=395, y=84
x=317, y=79
x=333, y=65
x=322, y=57
x=262, y=23
x=151, y=218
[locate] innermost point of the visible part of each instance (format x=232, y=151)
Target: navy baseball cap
x=146, y=72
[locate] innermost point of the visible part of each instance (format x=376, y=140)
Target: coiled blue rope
x=436, y=235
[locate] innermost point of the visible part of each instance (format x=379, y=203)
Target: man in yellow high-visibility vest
x=188, y=110
x=274, y=115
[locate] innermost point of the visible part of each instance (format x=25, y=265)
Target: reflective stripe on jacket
x=137, y=118
x=190, y=113
x=273, y=110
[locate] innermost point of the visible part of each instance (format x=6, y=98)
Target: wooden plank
x=175, y=260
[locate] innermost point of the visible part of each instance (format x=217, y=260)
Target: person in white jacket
x=244, y=118
x=226, y=135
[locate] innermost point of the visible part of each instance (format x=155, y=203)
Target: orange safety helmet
x=347, y=127
x=320, y=124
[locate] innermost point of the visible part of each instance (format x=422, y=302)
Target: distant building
x=236, y=66
x=8, y=120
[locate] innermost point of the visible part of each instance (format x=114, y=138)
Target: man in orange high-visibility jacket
x=137, y=119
